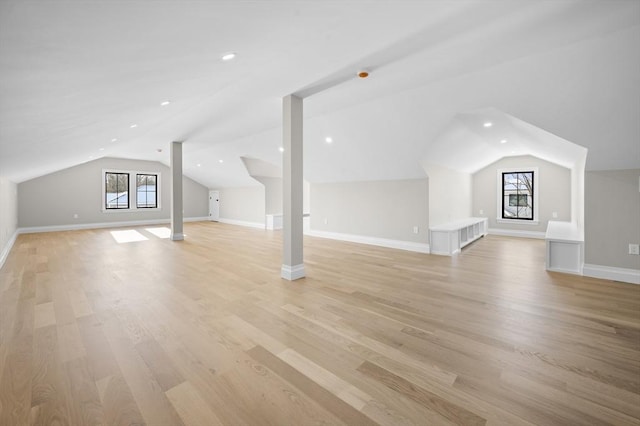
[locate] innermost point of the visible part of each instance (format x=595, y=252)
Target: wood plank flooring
x=204, y=332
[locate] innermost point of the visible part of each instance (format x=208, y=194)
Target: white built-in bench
x=565, y=247
x=449, y=238
x=274, y=221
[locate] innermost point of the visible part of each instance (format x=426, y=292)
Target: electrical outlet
x=634, y=249
x=481, y=211
x=75, y=215
x=554, y=214
x=326, y=221
x=415, y=229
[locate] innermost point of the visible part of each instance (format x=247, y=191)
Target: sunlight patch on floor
x=128, y=236
x=162, y=232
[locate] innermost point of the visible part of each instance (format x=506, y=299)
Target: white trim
x=196, y=219
x=566, y=271
x=242, y=223
x=517, y=233
x=80, y=226
x=292, y=273
x=373, y=241
x=518, y=221
x=612, y=273
x=7, y=248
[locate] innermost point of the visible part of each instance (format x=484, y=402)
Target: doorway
x=214, y=205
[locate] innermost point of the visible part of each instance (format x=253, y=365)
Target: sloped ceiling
x=258, y=168
x=75, y=75
x=472, y=140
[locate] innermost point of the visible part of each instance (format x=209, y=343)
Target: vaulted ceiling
x=74, y=76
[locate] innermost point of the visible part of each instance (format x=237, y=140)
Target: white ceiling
x=475, y=145
x=74, y=75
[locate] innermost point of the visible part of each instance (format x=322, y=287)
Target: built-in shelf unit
x=565, y=247
x=449, y=238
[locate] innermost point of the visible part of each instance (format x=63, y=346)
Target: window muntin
x=146, y=191
x=138, y=190
x=518, y=195
x=116, y=192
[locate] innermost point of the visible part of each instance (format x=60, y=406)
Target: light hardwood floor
x=204, y=332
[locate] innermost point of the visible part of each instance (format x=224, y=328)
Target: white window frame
x=133, y=202
x=536, y=191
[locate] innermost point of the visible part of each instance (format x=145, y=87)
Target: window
x=146, y=191
x=116, y=190
x=130, y=190
x=518, y=195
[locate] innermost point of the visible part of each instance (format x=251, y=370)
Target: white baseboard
x=565, y=271
x=517, y=233
x=292, y=273
x=242, y=223
x=197, y=219
x=80, y=226
x=612, y=273
x=374, y=241
x=7, y=248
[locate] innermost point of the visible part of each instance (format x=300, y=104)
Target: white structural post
x=292, y=257
x=176, y=192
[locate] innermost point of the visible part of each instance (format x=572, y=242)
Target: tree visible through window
x=116, y=190
x=146, y=191
x=517, y=195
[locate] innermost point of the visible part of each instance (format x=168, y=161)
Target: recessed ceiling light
x=220, y=161
x=328, y=140
x=199, y=164
x=513, y=152
x=101, y=149
x=133, y=126
x=503, y=141
x=488, y=124
x=165, y=103
x=228, y=56
x=114, y=140
x=91, y=157
x=281, y=149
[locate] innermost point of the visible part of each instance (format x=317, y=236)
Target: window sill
x=518, y=222
x=145, y=209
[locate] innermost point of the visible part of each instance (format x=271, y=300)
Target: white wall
x=379, y=209
x=553, y=186
x=52, y=200
x=243, y=204
x=273, y=188
x=612, y=217
x=449, y=194
x=577, y=192
x=8, y=216
x=272, y=194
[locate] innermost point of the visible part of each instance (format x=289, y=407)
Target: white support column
x=292, y=257
x=176, y=192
